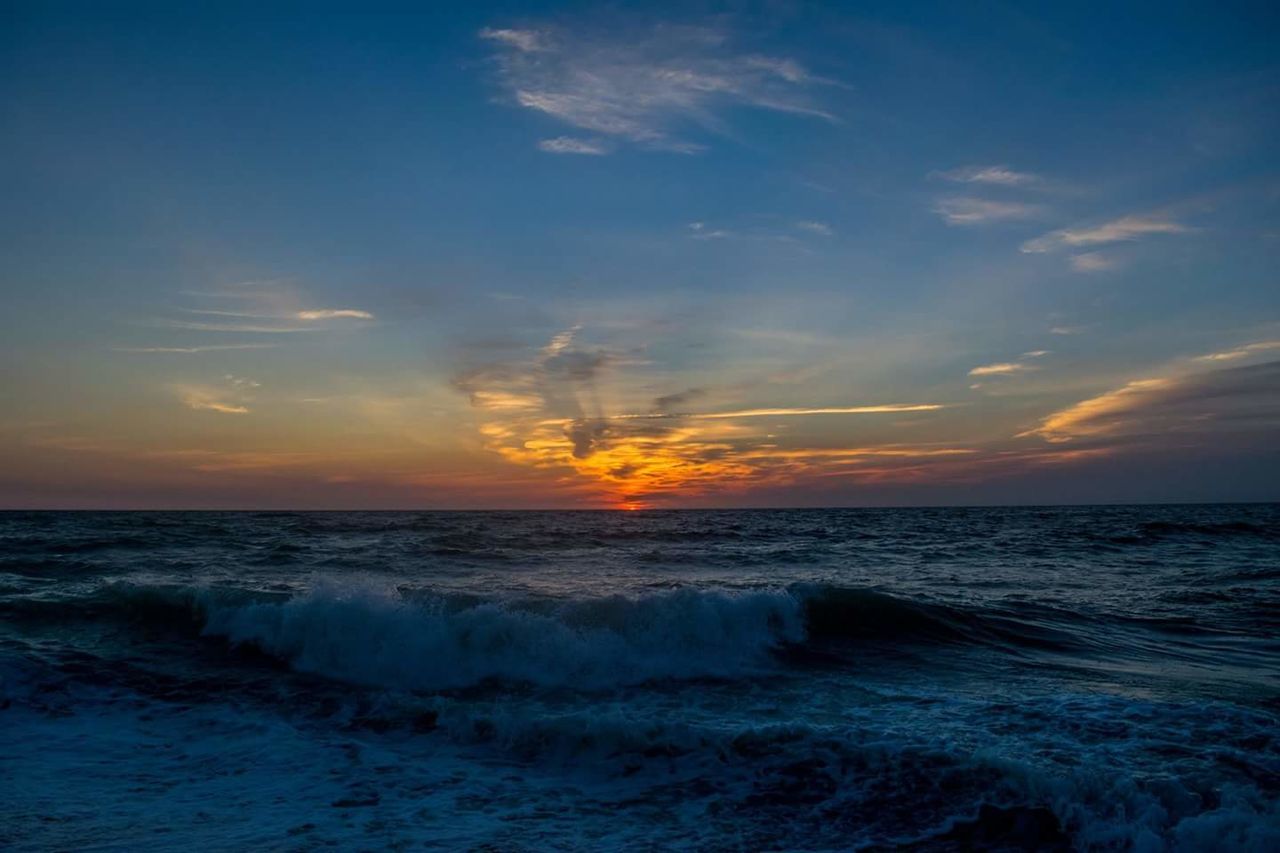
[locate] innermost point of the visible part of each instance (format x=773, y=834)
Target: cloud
x=1126, y=228
x=669, y=403
x=559, y=379
x=700, y=231
x=1240, y=352
x=1092, y=262
x=211, y=348
x=229, y=396
x=887, y=408
x=639, y=462
x=650, y=88
x=578, y=365
x=528, y=41
x=1066, y=330
x=964, y=210
x=561, y=341
x=585, y=434
x=995, y=175
x=245, y=328
x=1174, y=407
x=334, y=314
x=551, y=412
x=486, y=399
x=821, y=228
x=1009, y=368
x=1004, y=368
x=252, y=308
x=196, y=401
x=1098, y=414
x=209, y=399
x=573, y=145
x=772, y=233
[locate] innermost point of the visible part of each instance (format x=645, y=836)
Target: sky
x=520, y=255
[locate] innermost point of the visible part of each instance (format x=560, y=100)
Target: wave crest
x=382, y=635
x=379, y=636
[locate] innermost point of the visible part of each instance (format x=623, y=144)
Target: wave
x=380, y=635
x=1224, y=528
x=835, y=615
x=860, y=781
x=1157, y=532
x=824, y=781
x=908, y=790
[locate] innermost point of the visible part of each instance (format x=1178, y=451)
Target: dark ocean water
x=1067, y=678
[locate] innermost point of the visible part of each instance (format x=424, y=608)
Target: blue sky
x=636, y=255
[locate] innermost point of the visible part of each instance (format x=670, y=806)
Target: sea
x=1049, y=678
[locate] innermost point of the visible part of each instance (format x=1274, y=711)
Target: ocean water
x=952, y=679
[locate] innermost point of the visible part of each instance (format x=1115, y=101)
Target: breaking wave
x=381, y=635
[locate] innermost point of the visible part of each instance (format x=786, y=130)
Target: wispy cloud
x=965, y=210
x=993, y=175
x=333, y=314
x=196, y=399
x=1003, y=368
x=700, y=231
x=670, y=403
x=1126, y=228
x=499, y=400
x=229, y=396
x=1092, y=262
x=814, y=227
x=528, y=41
x=649, y=88
x=882, y=409
x=1098, y=414
x=189, y=350
x=1180, y=406
x=255, y=308
x=1240, y=352
x=573, y=145
x=768, y=231
x=245, y=328
x=886, y=408
x=1010, y=368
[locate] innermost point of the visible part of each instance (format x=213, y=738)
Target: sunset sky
x=563, y=255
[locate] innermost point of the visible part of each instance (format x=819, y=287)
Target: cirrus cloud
x=1126, y=228
x=334, y=314
x=965, y=210
x=994, y=175
x=1240, y=352
x=228, y=397
x=573, y=145
x=1177, y=407
x=651, y=88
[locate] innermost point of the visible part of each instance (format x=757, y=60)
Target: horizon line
x=747, y=508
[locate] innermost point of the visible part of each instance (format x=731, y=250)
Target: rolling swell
x=860, y=615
